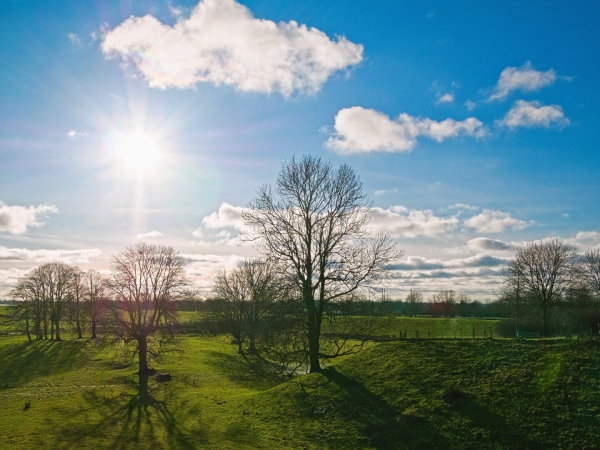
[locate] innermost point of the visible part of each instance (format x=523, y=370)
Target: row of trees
x=136, y=301
x=55, y=293
x=549, y=276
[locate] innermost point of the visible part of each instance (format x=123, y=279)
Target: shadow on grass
x=248, y=367
x=23, y=362
x=385, y=426
x=136, y=420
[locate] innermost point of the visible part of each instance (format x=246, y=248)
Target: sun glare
x=138, y=152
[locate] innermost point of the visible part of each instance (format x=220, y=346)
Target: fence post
x=491, y=333
x=473, y=326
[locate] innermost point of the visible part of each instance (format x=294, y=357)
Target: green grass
x=409, y=394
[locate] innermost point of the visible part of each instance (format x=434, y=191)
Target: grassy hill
x=410, y=394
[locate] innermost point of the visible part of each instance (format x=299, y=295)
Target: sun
x=138, y=152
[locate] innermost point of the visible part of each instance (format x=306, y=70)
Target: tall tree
x=312, y=226
x=55, y=279
x=544, y=270
x=76, y=297
x=146, y=282
x=95, y=292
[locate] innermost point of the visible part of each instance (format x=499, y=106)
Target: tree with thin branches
x=146, y=282
x=542, y=272
x=312, y=227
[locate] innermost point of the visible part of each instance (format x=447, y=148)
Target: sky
x=472, y=125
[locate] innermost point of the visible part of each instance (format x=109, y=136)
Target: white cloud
x=150, y=235
x=75, y=134
x=385, y=191
x=489, y=221
x=482, y=243
x=446, y=98
x=585, y=240
x=81, y=256
x=533, y=114
x=222, y=43
x=201, y=268
x=227, y=216
x=470, y=105
x=10, y=277
x=524, y=78
x=75, y=40
x=360, y=130
x=17, y=219
x=479, y=260
x=400, y=221
x=463, y=206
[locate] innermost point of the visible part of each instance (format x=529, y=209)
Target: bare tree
x=55, y=278
x=146, y=282
x=312, y=226
x=95, y=293
x=544, y=272
x=444, y=303
x=245, y=298
x=76, y=299
x=589, y=270
x=413, y=300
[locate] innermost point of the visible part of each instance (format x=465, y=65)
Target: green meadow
x=392, y=395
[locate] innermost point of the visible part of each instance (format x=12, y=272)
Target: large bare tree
x=543, y=272
x=146, y=282
x=95, y=292
x=312, y=226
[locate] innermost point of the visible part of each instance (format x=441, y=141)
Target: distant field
x=433, y=328
x=411, y=394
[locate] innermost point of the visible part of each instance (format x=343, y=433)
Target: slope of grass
x=434, y=394
x=409, y=394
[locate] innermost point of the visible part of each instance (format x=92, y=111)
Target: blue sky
x=472, y=126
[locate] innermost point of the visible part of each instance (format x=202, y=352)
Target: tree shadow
x=23, y=362
x=138, y=419
x=247, y=368
x=385, y=425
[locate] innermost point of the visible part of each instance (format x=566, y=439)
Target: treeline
x=55, y=295
x=135, y=303
x=549, y=288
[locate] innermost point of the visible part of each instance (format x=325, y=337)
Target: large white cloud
x=533, y=114
x=524, y=78
x=150, y=235
x=80, y=256
x=222, y=43
x=490, y=221
x=359, y=130
x=17, y=219
x=400, y=221
x=227, y=216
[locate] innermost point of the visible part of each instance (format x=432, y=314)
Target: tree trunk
x=240, y=349
x=143, y=354
x=252, y=344
x=58, y=330
x=93, y=329
x=313, y=329
x=79, y=336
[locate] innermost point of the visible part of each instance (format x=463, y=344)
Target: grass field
x=409, y=394
x=434, y=328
